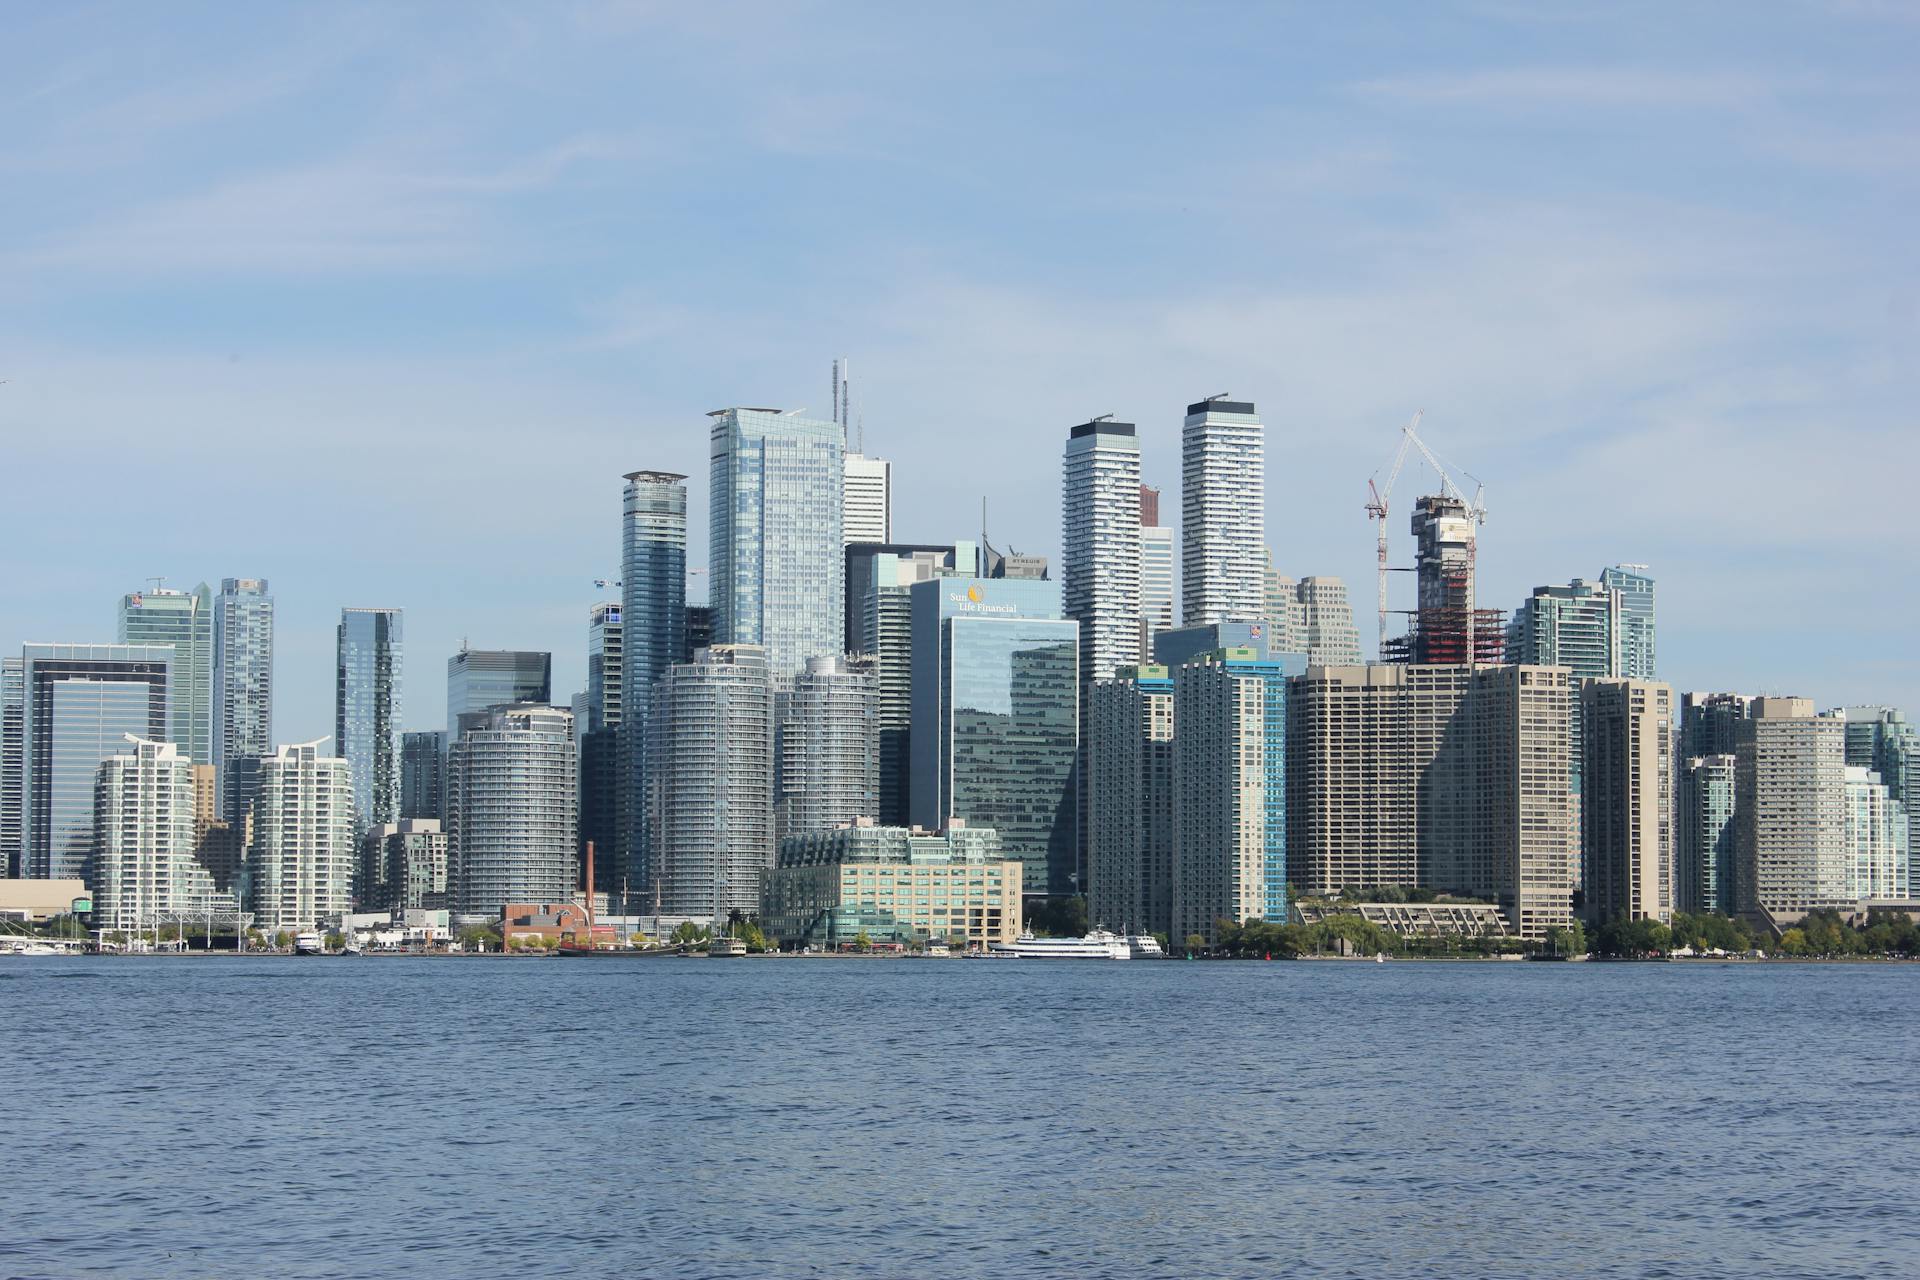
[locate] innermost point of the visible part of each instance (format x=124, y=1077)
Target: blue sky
x=379, y=302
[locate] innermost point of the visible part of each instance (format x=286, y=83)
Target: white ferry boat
x=1098, y=945
x=308, y=944
x=726, y=947
x=1144, y=946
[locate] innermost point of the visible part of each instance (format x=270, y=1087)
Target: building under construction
x=1445, y=627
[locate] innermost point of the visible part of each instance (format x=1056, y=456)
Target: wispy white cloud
x=1574, y=86
x=361, y=211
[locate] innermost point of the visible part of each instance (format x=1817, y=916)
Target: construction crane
x=1377, y=509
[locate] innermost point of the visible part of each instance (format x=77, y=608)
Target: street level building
x=411, y=856
x=892, y=884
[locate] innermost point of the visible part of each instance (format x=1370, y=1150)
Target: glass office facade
x=996, y=686
x=1638, y=652
x=366, y=714
x=242, y=679
x=423, y=778
x=775, y=540
x=81, y=703
x=481, y=679
x=183, y=619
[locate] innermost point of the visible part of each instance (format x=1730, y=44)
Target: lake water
x=332, y=1117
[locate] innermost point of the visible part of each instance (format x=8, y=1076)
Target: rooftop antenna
x=158, y=584
x=980, y=557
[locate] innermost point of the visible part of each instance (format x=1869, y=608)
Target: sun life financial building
x=996, y=718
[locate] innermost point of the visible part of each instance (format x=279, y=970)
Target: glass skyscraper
x=242, y=679
x=653, y=636
x=183, y=619
x=81, y=702
x=482, y=679
x=366, y=710
x=1637, y=649
x=775, y=540
x=996, y=718
x=423, y=778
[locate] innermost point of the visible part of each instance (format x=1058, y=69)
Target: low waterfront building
x=894, y=884
x=35, y=901
x=404, y=866
x=543, y=922
x=1414, y=919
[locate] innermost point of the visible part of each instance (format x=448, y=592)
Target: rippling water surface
x=321, y=1117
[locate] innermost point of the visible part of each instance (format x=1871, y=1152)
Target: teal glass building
x=183, y=619
x=996, y=719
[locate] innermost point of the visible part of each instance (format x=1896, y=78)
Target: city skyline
x=1464, y=216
